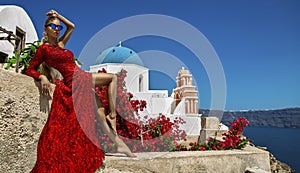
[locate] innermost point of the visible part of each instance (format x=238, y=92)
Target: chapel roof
x=119, y=54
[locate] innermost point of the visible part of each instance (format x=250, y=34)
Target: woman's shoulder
x=46, y=46
x=41, y=48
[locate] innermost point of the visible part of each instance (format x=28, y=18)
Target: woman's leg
x=121, y=146
x=109, y=79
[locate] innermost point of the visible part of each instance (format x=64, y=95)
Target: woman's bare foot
x=123, y=148
x=103, y=119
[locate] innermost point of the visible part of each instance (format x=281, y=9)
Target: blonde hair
x=50, y=72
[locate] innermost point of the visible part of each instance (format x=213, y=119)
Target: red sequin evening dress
x=69, y=141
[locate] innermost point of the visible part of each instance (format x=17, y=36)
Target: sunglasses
x=53, y=26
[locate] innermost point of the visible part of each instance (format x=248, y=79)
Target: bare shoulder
x=61, y=44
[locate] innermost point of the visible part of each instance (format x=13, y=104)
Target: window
x=140, y=83
x=20, y=33
x=3, y=57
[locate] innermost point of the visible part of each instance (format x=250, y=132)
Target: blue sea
x=283, y=143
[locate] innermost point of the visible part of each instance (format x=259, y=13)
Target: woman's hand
x=52, y=13
x=46, y=85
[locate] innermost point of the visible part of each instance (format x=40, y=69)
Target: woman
x=69, y=141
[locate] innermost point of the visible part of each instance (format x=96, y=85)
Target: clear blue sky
x=257, y=42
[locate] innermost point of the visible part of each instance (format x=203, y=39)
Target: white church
x=183, y=102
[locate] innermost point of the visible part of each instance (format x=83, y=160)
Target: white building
x=183, y=102
x=15, y=20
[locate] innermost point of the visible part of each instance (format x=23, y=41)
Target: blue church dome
x=120, y=55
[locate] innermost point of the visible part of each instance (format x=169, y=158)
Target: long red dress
x=69, y=141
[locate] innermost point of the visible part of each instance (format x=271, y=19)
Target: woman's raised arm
x=70, y=27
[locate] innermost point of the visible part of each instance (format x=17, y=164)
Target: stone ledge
x=233, y=161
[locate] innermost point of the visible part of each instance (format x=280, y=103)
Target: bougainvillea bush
x=230, y=140
x=140, y=132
